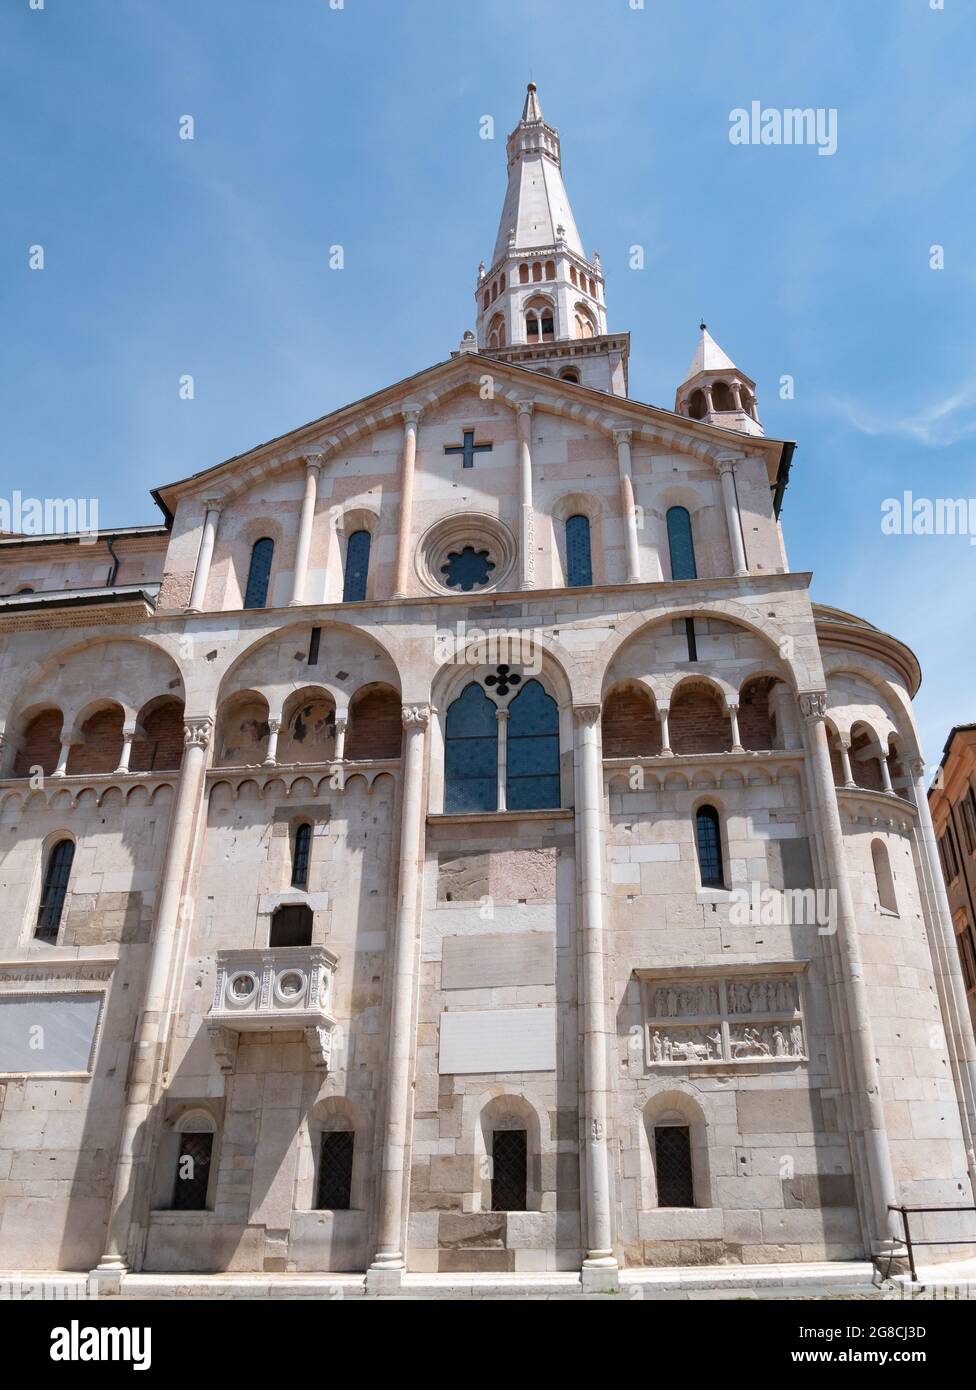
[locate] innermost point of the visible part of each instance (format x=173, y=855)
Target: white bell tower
x=541, y=302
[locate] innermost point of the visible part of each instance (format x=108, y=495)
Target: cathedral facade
x=452, y=840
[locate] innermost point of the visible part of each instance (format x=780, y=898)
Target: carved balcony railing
x=287, y=988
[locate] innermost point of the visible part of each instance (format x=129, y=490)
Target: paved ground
x=840, y=1281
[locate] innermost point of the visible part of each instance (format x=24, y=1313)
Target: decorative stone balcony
x=285, y=989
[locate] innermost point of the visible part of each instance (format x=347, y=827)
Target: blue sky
x=360, y=126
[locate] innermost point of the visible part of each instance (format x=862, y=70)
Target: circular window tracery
x=472, y=553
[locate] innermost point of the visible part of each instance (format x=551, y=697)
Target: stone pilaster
x=527, y=528
x=313, y=466
x=408, y=463
x=628, y=506
x=868, y=1106
x=389, y=1262
x=201, y=573
x=146, y=1062
x=600, y=1265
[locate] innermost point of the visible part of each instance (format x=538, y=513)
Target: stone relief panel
x=720, y=1021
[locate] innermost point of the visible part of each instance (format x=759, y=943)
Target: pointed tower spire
x=716, y=391
x=541, y=288
x=532, y=110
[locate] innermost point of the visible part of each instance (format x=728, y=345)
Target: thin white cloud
x=942, y=422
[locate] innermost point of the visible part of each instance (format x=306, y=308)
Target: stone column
x=408, y=461
x=845, y=762
x=136, y=1146
x=271, y=756
x=726, y=470
x=736, y=395
x=527, y=530
x=627, y=504
x=341, y=725
x=201, y=573
x=662, y=714
x=709, y=403
x=313, y=464
x=600, y=1265
x=885, y=774
x=128, y=734
x=386, y=1270
x=502, y=800
x=948, y=968
x=62, y=765
x=734, y=722
x=867, y=1102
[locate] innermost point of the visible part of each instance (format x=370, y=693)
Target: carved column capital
x=341, y=723
x=916, y=767
x=415, y=716
x=622, y=436
x=213, y=504
x=274, y=726
x=813, y=705
x=525, y=407
x=314, y=461
x=411, y=414
x=587, y=715
x=197, y=731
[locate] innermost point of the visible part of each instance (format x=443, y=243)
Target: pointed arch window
x=301, y=853
x=681, y=544
x=55, y=889
x=357, y=567
x=259, y=573
x=532, y=780
x=708, y=837
x=471, y=753
x=579, y=564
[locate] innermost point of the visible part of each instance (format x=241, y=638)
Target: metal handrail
x=904, y=1213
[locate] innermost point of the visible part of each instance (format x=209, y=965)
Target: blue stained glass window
x=357, y=567
x=532, y=783
x=259, y=573
x=300, y=856
x=709, y=837
x=681, y=544
x=471, y=753
x=467, y=569
x=579, y=566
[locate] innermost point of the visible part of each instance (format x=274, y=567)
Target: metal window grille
x=55, y=889
x=579, y=561
x=709, y=840
x=357, y=567
x=471, y=753
x=672, y=1152
x=300, y=856
x=259, y=573
x=193, y=1172
x=532, y=781
x=509, y=1165
x=680, y=544
x=335, y=1170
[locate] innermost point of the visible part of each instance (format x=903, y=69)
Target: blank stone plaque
x=498, y=1040
x=496, y=959
x=48, y=1033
